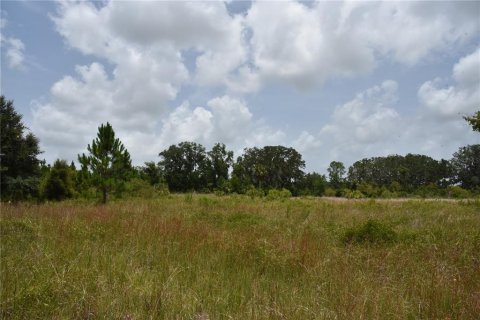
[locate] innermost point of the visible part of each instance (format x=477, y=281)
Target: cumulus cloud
x=410, y=31
x=223, y=119
x=450, y=102
x=370, y=125
x=146, y=52
x=306, y=45
x=364, y=125
x=300, y=45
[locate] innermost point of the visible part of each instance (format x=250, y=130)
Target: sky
x=337, y=81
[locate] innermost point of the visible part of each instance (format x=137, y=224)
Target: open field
x=208, y=257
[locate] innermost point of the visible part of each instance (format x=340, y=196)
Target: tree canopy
x=270, y=167
x=184, y=166
x=19, y=165
x=466, y=166
x=108, y=163
x=410, y=171
x=474, y=121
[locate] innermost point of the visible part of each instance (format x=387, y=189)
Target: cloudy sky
x=335, y=80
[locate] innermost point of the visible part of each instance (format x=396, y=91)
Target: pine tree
x=108, y=163
x=19, y=165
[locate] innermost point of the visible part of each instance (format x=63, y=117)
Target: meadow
x=233, y=257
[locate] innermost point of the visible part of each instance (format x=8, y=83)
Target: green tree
x=336, y=173
x=271, y=167
x=19, y=165
x=219, y=162
x=108, y=163
x=313, y=184
x=466, y=166
x=59, y=182
x=474, y=121
x=152, y=173
x=185, y=166
x=410, y=172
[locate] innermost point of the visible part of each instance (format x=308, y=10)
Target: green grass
x=208, y=257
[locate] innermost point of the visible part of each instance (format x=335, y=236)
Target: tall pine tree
x=108, y=163
x=19, y=165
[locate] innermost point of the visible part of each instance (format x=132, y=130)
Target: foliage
x=151, y=172
x=59, y=182
x=19, y=165
x=276, y=194
x=353, y=194
x=253, y=192
x=184, y=166
x=219, y=162
x=466, y=166
x=329, y=192
x=313, y=184
x=143, y=189
x=408, y=172
x=270, y=167
x=457, y=192
x=474, y=121
x=108, y=164
x=372, y=232
x=336, y=173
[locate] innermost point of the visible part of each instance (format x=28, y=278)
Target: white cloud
x=232, y=118
x=142, y=49
x=363, y=124
x=306, y=45
x=306, y=142
x=410, y=31
x=299, y=45
x=14, y=47
x=158, y=31
x=224, y=119
x=184, y=124
x=15, y=53
x=453, y=101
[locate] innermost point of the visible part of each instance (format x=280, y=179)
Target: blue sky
x=336, y=80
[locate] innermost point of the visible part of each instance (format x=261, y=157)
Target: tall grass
x=200, y=257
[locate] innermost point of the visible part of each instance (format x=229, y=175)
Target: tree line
x=106, y=170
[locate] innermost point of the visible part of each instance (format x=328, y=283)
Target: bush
x=372, y=232
x=253, y=192
x=329, y=192
x=275, y=194
x=353, y=194
x=59, y=182
x=458, y=192
x=142, y=189
x=368, y=190
x=387, y=194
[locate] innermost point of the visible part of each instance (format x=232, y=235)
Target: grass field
x=208, y=257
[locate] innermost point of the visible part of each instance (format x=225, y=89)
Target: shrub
x=253, y=192
x=458, y=192
x=387, y=194
x=372, y=232
x=59, y=182
x=353, y=194
x=368, y=190
x=276, y=194
x=143, y=189
x=329, y=192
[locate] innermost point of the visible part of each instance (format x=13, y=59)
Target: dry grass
x=207, y=257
